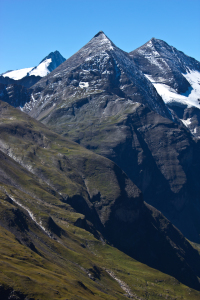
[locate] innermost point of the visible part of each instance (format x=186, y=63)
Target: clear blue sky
x=31, y=29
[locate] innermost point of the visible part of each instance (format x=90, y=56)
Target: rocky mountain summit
x=47, y=65
x=176, y=78
x=98, y=98
x=99, y=69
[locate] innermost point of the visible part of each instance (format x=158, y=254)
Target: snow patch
x=42, y=69
x=83, y=84
x=17, y=74
x=186, y=122
x=170, y=95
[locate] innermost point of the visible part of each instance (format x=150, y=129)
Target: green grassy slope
x=78, y=267
x=58, y=202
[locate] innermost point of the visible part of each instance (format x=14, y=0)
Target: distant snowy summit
x=14, y=85
x=47, y=65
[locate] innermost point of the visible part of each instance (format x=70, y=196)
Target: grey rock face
x=165, y=62
x=15, y=95
x=158, y=155
x=169, y=68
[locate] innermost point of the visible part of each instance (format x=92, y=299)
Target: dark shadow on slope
x=188, y=92
x=8, y=293
x=153, y=240
x=80, y=205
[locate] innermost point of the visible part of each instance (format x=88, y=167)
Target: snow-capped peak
x=42, y=69
x=56, y=60
x=47, y=65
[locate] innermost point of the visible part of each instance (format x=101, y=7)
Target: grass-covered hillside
x=74, y=226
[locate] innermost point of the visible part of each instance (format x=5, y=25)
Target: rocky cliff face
x=26, y=81
x=14, y=94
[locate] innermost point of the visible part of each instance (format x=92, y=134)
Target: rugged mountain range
x=109, y=102
x=50, y=186
x=99, y=67
x=176, y=78
x=98, y=98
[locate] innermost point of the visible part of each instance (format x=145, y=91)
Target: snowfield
x=17, y=74
x=169, y=95
x=42, y=69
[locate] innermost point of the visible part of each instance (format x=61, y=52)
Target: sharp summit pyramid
x=98, y=67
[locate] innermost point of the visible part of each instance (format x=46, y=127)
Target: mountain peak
x=99, y=33
x=48, y=64
x=154, y=41
x=101, y=41
x=101, y=36
x=158, y=44
x=54, y=56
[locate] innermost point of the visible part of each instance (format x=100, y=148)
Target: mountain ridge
x=98, y=54
x=176, y=78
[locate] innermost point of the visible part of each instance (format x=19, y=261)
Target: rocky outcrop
x=14, y=94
